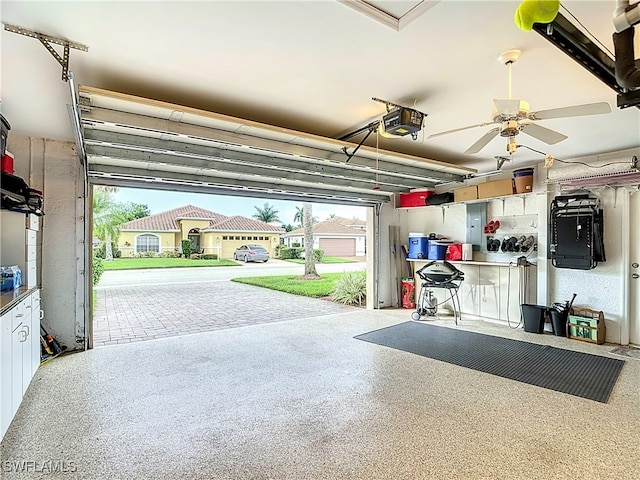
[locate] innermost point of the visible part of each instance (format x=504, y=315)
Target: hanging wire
x=577, y=162
x=587, y=30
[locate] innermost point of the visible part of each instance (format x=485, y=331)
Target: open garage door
x=338, y=247
x=128, y=141
x=136, y=142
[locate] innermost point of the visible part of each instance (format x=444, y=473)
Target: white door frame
x=630, y=325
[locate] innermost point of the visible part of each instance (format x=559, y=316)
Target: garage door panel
x=338, y=247
x=127, y=138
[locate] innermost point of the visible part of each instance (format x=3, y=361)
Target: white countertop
x=469, y=262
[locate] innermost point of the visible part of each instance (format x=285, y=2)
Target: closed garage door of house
x=338, y=247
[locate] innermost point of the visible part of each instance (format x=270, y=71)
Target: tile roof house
x=209, y=232
x=337, y=237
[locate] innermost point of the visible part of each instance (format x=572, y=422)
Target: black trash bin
x=559, y=321
x=534, y=317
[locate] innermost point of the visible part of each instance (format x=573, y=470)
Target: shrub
x=295, y=244
x=195, y=256
x=209, y=256
x=351, y=289
x=289, y=253
x=98, y=269
x=101, y=251
x=170, y=254
x=146, y=255
x=186, y=248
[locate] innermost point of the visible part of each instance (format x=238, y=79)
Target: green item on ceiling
x=535, y=11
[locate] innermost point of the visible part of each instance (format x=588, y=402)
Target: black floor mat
x=580, y=374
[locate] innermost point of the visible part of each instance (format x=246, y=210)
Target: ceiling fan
x=512, y=116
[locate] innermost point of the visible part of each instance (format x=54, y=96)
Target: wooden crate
x=587, y=325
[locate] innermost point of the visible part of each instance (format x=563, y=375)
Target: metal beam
x=568, y=38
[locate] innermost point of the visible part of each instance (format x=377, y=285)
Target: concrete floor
x=302, y=399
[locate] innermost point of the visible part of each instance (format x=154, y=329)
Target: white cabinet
x=491, y=290
x=6, y=412
x=36, y=317
x=19, y=354
x=20, y=313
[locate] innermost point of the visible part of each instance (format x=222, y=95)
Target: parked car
x=251, y=253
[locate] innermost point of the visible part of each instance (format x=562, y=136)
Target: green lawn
x=161, y=262
x=288, y=283
x=325, y=260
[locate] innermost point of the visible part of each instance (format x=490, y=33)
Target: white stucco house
x=337, y=236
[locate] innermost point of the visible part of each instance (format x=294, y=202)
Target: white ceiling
x=314, y=66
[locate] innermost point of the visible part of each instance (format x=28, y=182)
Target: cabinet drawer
x=18, y=314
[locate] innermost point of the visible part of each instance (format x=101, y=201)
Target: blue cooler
x=418, y=245
x=438, y=250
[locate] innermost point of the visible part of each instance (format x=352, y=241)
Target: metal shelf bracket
x=47, y=41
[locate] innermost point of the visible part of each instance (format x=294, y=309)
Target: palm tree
x=299, y=216
x=107, y=218
x=309, y=259
x=266, y=214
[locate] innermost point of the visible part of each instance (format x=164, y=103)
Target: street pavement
x=138, y=305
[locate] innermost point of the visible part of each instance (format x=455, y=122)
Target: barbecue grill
x=438, y=274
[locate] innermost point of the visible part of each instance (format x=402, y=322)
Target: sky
x=161, y=201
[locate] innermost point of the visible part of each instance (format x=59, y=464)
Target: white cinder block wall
x=602, y=287
x=53, y=168
x=599, y=289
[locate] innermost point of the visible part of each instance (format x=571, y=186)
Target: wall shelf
x=477, y=200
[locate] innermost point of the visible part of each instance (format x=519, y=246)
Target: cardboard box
x=465, y=193
x=496, y=188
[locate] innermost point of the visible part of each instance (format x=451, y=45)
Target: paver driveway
x=125, y=314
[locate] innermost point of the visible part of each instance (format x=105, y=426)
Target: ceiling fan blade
x=483, y=141
x=544, y=134
x=572, y=111
x=507, y=106
x=459, y=129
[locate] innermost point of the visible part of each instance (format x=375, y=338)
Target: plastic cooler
x=438, y=250
x=418, y=245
